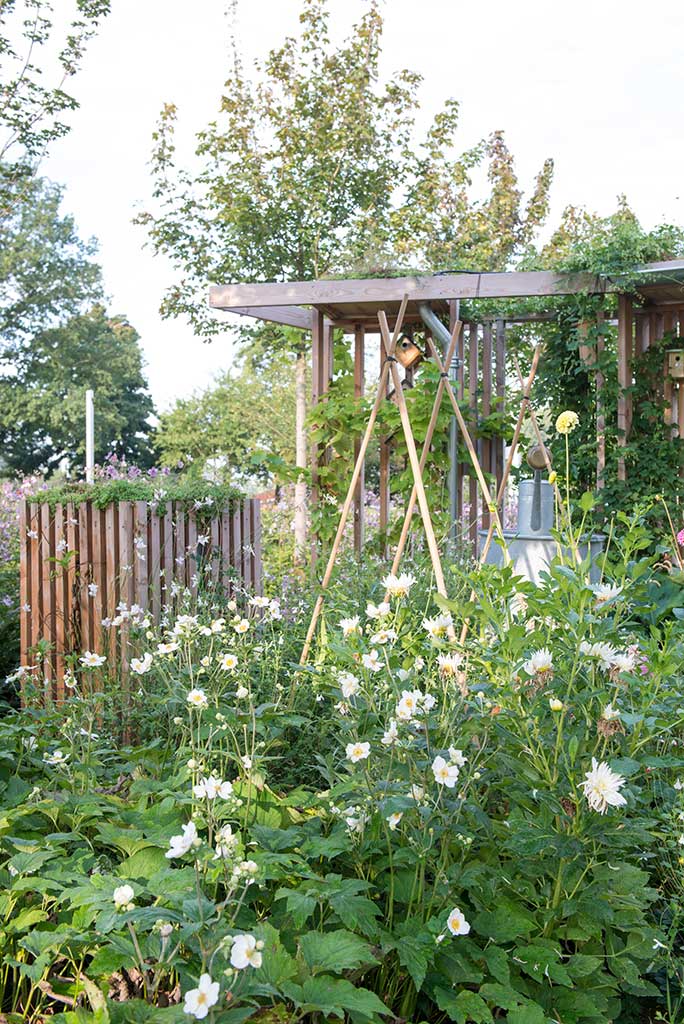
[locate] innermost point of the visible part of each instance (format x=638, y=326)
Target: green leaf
x=143, y=864
x=329, y=995
x=414, y=954
x=464, y=1007
x=529, y=1013
x=335, y=951
x=507, y=922
x=300, y=904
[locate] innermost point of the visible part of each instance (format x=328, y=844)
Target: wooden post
x=487, y=444
x=384, y=483
x=317, y=362
x=501, y=396
x=455, y=483
x=600, y=408
x=624, y=373
x=359, y=494
x=472, y=404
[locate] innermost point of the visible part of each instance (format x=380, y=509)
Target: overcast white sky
x=596, y=84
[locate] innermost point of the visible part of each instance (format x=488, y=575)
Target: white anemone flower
x=398, y=586
x=226, y=842
x=246, y=952
x=384, y=636
x=540, y=663
x=350, y=626
x=228, y=662
x=142, y=665
x=123, y=897
x=167, y=648
x=391, y=734
x=372, y=661
x=259, y=602
x=91, y=660
x=357, y=751
x=602, y=787
x=57, y=757
x=198, y=1001
x=409, y=704
x=197, y=698
x=623, y=661
x=378, y=611
x=211, y=787
x=180, y=845
x=242, y=692
x=349, y=684
x=606, y=592
x=610, y=714
x=241, y=626
x=394, y=819
x=449, y=664
x=604, y=653
x=445, y=774
x=456, y=922
x=457, y=757
x=439, y=626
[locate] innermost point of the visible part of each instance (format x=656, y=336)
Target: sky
x=596, y=84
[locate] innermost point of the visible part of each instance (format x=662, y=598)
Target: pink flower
x=680, y=537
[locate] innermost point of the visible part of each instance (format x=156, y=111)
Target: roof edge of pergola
x=282, y=302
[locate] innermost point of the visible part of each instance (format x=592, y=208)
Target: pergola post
x=472, y=426
x=454, y=469
x=359, y=387
x=321, y=374
x=384, y=482
x=624, y=374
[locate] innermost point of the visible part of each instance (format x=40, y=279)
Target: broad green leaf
x=335, y=951
x=463, y=1007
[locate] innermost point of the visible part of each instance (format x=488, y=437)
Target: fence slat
x=47, y=625
x=57, y=604
x=60, y=609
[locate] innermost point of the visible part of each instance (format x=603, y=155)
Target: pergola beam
x=511, y=284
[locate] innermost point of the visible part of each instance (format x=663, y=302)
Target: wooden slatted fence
x=78, y=564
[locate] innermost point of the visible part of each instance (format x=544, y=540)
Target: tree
x=242, y=415
x=42, y=402
x=315, y=170
x=47, y=273
x=37, y=60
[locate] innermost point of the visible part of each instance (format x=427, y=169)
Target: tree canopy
x=313, y=168
x=42, y=400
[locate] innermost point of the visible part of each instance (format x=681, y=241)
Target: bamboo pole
x=426, y=450
x=332, y=558
x=411, y=448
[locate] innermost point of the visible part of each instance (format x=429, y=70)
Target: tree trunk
x=300, y=458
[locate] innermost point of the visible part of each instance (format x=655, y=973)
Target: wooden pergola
x=646, y=311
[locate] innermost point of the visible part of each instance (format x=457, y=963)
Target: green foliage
x=42, y=402
x=38, y=59
x=229, y=425
x=345, y=872
x=166, y=488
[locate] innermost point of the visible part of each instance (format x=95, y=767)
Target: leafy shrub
x=410, y=828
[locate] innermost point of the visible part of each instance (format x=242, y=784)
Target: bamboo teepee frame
x=418, y=494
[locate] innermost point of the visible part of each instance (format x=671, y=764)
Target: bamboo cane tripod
x=389, y=367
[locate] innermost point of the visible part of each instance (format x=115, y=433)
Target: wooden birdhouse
x=675, y=363
x=408, y=353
